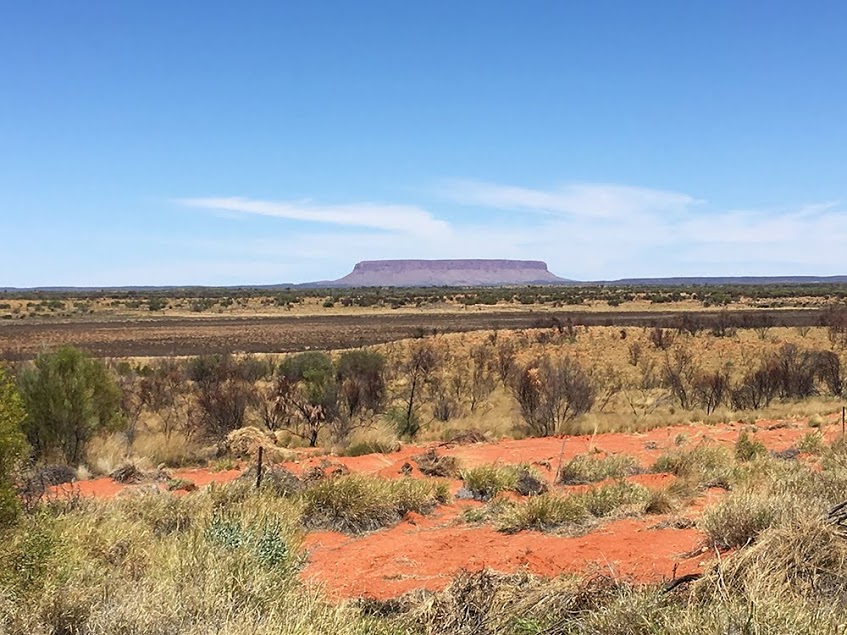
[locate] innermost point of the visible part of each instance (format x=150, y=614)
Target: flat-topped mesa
x=439, y=273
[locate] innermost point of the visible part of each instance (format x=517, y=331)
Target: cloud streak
x=589, y=200
x=393, y=218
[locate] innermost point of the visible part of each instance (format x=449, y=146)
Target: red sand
x=428, y=552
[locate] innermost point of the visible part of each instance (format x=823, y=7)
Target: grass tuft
x=356, y=503
x=486, y=481
x=584, y=469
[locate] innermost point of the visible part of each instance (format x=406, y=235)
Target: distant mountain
x=456, y=273
x=447, y=273
x=723, y=280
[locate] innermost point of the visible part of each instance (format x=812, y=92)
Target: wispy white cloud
x=592, y=200
x=396, y=218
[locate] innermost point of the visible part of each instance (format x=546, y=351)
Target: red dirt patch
x=427, y=552
x=431, y=552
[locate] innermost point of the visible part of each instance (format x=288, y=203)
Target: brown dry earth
x=193, y=336
x=428, y=552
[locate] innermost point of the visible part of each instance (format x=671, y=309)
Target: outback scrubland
x=706, y=459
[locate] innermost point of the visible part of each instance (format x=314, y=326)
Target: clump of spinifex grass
x=357, y=503
x=738, y=519
x=584, y=469
x=553, y=511
x=486, y=481
x=701, y=466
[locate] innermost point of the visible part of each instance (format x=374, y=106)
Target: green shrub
x=25, y=555
x=543, y=513
x=265, y=542
x=13, y=447
x=371, y=446
x=747, y=449
x=604, y=500
x=812, y=443
x=552, y=511
x=68, y=397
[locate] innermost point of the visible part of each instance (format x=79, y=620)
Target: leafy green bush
x=13, y=447
x=68, y=397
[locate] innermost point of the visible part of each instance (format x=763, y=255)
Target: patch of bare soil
x=427, y=552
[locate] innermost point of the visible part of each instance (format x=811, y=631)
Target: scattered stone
x=127, y=473
x=529, y=484
x=433, y=464
x=464, y=494
x=789, y=454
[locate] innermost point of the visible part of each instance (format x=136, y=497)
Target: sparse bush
x=661, y=339
x=307, y=391
x=552, y=393
x=431, y=463
x=710, y=390
x=679, y=374
x=422, y=363
x=361, y=374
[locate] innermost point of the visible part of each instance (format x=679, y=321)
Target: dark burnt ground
x=193, y=336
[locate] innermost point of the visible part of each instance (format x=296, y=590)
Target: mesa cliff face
x=454, y=273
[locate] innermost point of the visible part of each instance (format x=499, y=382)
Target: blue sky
x=235, y=143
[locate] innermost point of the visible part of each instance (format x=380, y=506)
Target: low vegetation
x=586, y=468
x=357, y=503
x=486, y=481
x=700, y=467
x=554, y=511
